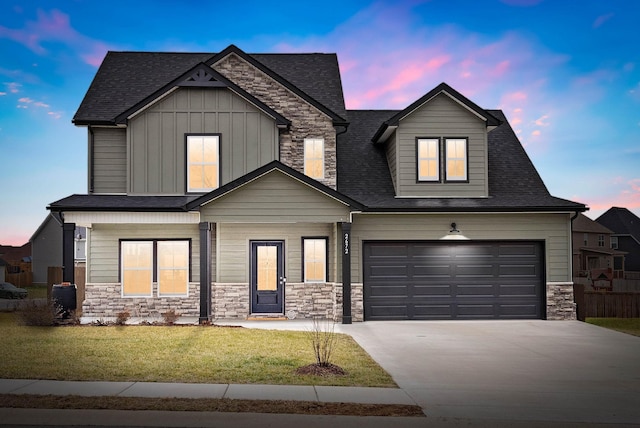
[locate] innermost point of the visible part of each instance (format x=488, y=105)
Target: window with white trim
x=203, y=163
x=600, y=240
x=137, y=268
x=456, y=159
x=314, y=157
x=428, y=159
x=614, y=242
x=314, y=265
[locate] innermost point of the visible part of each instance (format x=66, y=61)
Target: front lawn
x=624, y=325
x=198, y=354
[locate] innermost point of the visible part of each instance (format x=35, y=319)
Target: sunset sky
x=566, y=73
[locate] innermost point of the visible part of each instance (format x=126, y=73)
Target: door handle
x=283, y=280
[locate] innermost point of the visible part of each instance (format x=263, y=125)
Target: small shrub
x=122, y=317
x=323, y=340
x=38, y=314
x=170, y=317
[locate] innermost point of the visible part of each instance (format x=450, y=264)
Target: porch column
x=346, y=273
x=205, y=272
x=68, y=256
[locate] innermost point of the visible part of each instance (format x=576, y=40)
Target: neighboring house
x=235, y=185
x=46, y=248
x=626, y=234
x=595, y=262
x=17, y=259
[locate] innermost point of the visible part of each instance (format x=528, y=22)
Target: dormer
x=437, y=147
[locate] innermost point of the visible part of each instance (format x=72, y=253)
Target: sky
x=566, y=74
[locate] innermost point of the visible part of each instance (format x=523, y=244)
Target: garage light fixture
x=454, y=229
x=454, y=233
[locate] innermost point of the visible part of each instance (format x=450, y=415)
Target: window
x=146, y=262
x=137, y=268
x=585, y=239
x=456, y=159
x=314, y=265
x=428, y=159
x=314, y=157
x=203, y=162
x=600, y=240
x=173, y=268
x=614, y=242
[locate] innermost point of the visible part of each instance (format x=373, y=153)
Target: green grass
x=624, y=325
x=36, y=291
x=199, y=354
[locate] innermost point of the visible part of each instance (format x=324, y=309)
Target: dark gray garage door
x=453, y=280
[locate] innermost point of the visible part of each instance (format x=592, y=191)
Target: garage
x=436, y=280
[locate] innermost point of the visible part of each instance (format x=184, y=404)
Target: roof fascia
x=181, y=81
x=233, y=49
x=271, y=166
x=491, y=121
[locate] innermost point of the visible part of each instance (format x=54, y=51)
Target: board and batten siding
x=441, y=117
x=104, y=247
x=553, y=229
x=234, y=248
x=275, y=198
x=249, y=138
x=109, y=160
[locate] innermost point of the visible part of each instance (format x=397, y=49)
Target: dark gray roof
x=514, y=183
x=126, y=78
x=621, y=221
x=121, y=203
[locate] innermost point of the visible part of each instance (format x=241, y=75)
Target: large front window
x=314, y=157
x=203, y=163
x=164, y=262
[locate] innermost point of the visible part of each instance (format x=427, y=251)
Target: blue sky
x=566, y=74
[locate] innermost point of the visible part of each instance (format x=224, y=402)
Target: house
x=595, y=262
x=626, y=234
x=46, y=248
x=236, y=185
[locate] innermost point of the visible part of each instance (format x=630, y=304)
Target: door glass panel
x=267, y=268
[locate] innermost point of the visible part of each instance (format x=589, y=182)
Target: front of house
x=237, y=185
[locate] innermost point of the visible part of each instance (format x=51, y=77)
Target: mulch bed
x=324, y=370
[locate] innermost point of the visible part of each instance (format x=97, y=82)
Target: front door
x=267, y=277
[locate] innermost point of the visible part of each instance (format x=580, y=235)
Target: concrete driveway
x=563, y=371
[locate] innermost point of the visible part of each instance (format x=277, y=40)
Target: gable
x=275, y=197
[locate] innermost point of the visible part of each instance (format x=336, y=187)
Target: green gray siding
x=553, y=229
x=104, y=265
x=275, y=198
x=249, y=138
x=440, y=117
x=233, y=251
x=109, y=158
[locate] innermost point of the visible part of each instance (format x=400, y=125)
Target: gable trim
x=262, y=171
x=184, y=80
x=232, y=49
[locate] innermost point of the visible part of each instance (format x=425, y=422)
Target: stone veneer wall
x=104, y=301
x=230, y=301
x=560, y=304
x=306, y=120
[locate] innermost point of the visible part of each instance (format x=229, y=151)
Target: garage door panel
x=437, y=280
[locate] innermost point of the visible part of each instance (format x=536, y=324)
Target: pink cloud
x=536, y=133
x=626, y=194
x=542, y=121
x=55, y=26
x=602, y=19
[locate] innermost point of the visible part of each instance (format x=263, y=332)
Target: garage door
x=454, y=280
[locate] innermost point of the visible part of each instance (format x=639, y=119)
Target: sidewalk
x=326, y=394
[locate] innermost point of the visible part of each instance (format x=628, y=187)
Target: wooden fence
x=606, y=304
x=22, y=279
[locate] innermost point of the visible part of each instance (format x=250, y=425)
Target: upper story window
x=314, y=157
x=456, y=159
x=203, y=163
x=600, y=240
x=428, y=159
x=585, y=239
x=614, y=242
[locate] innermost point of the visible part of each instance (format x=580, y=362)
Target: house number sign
x=346, y=243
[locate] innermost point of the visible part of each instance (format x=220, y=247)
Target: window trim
x=326, y=259
x=186, y=160
x=446, y=159
x=438, y=179
x=155, y=290
x=601, y=240
x=614, y=242
x=323, y=159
